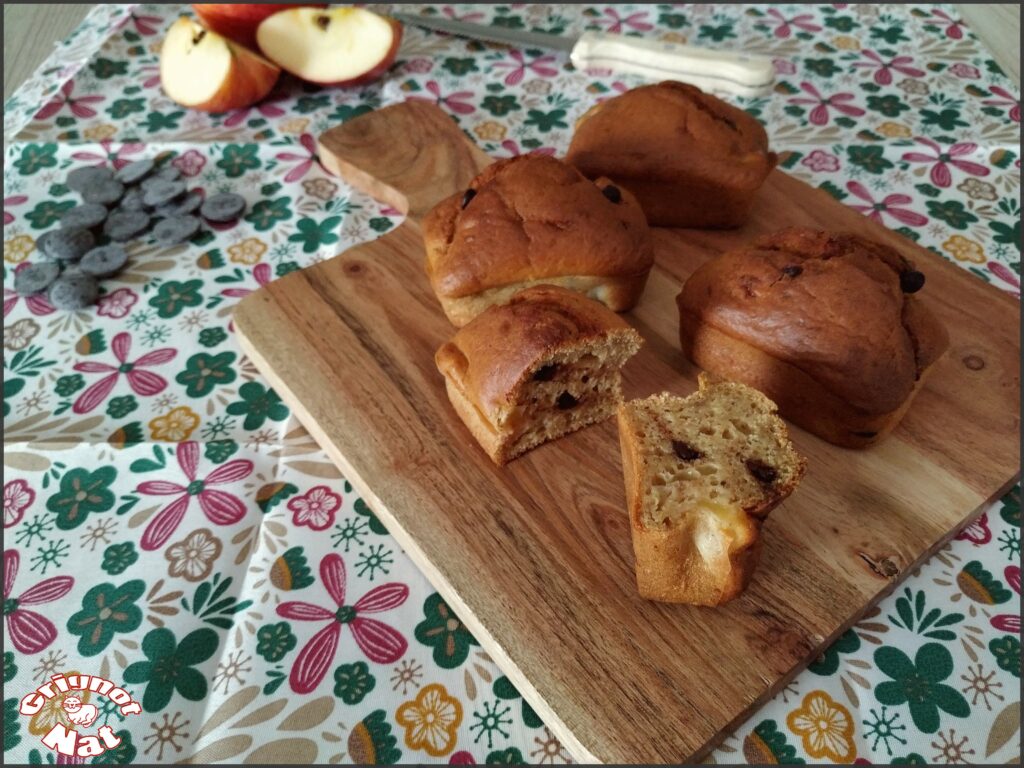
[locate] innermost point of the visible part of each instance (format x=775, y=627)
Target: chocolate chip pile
x=116, y=208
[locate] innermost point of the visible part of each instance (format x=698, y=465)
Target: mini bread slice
x=535, y=369
x=702, y=473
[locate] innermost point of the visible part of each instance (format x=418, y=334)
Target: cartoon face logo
x=79, y=713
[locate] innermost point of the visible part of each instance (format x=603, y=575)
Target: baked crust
x=534, y=219
x=691, y=159
x=819, y=323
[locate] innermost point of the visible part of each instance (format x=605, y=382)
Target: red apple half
x=336, y=46
x=238, y=21
x=201, y=70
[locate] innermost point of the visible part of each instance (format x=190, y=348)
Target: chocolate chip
x=469, y=195
x=762, y=472
x=547, y=373
x=612, y=193
x=68, y=244
x=122, y=226
x=188, y=203
x=566, y=401
x=135, y=172
x=224, y=207
x=80, y=178
x=85, y=216
x=132, y=200
x=105, y=192
x=175, y=230
x=104, y=261
x=157, y=191
x=35, y=278
x=792, y=270
x=685, y=451
x=73, y=291
x=911, y=281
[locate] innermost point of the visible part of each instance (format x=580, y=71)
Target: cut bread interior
x=702, y=472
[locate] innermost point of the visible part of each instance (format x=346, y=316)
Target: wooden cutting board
x=536, y=558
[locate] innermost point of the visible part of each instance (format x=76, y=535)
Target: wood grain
x=30, y=32
x=536, y=558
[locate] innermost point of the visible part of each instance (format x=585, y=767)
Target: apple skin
x=367, y=77
x=238, y=21
x=249, y=79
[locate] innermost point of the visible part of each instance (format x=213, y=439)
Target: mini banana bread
x=829, y=326
x=539, y=367
x=691, y=159
x=530, y=220
x=702, y=473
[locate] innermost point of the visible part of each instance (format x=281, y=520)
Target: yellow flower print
x=100, y=132
x=846, y=43
x=431, y=720
x=490, y=131
x=825, y=727
x=294, y=125
x=894, y=130
x=249, y=251
x=17, y=249
x=674, y=37
x=965, y=249
x=53, y=711
x=175, y=426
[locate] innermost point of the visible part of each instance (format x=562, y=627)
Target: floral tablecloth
x=170, y=526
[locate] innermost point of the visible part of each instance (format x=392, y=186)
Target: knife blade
x=742, y=74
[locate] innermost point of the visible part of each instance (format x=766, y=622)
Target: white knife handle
x=707, y=69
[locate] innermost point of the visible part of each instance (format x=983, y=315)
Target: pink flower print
x=118, y=158
x=38, y=305
x=1005, y=274
x=1005, y=100
x=1009, y=622
x=884, y=69
x=27, y=630
x=820, y=160
x=784, y=67
x=452, y=13
x=418, y=66
x=965, y=71
x=381, y=643
x=819, y=115
x=144, y=383
x=79, y=106
x=939, y=157
x=17, y=498
x=461, y=757
x=267, y=108
x=316, y=509
x=955, y=28
x=803, y=21
x=514, y=150
x=633, y=21
x=190, y=163
x=888, y=206
x=12, y=201
x=539, y=66
x=151, y=75
x=220, y=507
x=117, y=304
x=262, y=274
x=144, y=25
x=456, y=102
x=977, y=532
x=305, y=162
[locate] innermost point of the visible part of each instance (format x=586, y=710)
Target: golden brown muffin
x=702, y=473
x=535, y=369
x=691, y=159
x=529, y=220
x=824, y=324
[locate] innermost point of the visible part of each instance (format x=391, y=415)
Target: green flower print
x=257, y=405
x=12, y=724
x=169, y=666
x=919, y=684
x=841, y=23
x=673, y=20
x=117, y=558
x=10, y=668
x=274, y=641
x=848, y=642
x=500, y=105
x=716, y=33
x=1007, y=652
x=507, y=756
x=460, y=66
x=172, y=297
x=442, y=629
x=35, y=157
x=767, y=745
x=352, y=682
x=11, y=388
x=219, y=451
x=313, y=235
x=371, y=742
x=869, y=158
x=946, y=119
x=306, y=104
x=1011, y=509
x=511, y=22
x=912, y=759
x=158, y=121
x=121, y=108
x=237, y=159
x=504, y=689
x=104, y=69
x=106, y=610
x=67, y=385
x=821, y=67
x=82, y=492
x=123, y=754
x=952, y=212
x=892, y=34
x=545, y=121
x=889, y=105
x=203, y=372
x=48, y=212
x=211, y=337
x=266, y=213
x=119, y=407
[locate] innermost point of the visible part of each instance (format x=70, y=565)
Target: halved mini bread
x=535, y=369
x=702, y=473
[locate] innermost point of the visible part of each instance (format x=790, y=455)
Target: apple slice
x=336, y=46
x=201, y=70
x=238, y=21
